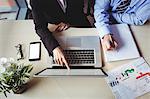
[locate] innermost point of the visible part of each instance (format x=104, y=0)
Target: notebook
x=126, y=49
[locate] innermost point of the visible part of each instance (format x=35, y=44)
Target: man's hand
x=58, y=27
x=61, y=27
x=109, y=43
x=59, y=57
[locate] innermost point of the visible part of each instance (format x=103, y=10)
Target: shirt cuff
x=103, y=30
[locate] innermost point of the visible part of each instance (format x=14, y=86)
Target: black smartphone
x=35, y=51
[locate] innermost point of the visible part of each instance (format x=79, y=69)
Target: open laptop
x=83, y=54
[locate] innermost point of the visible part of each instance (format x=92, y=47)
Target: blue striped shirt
x=137, y=13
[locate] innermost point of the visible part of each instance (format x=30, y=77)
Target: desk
x=14, y=32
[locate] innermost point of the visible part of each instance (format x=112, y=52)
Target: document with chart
x=126, y=49
x=130, y=80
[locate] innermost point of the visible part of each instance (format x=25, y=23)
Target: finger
x=115, y=43
x=61, y=62
x=113, y=46
x=56, y=58
x=104, y=46
x=110, y=38
x=66, y=63
x=107, y=44
x=62, y=27
x=58, y=62
x=58, y=28
x=55, y=61
x=66, y=27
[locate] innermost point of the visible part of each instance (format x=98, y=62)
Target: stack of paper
x=130, y=80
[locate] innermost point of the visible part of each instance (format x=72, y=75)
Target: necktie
x=123, y=6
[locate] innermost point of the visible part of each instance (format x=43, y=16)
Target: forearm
x=101, y=15
x=45, y=35
x=48, y=40
x=41, y=27
x=128, y=18
x=137, y=17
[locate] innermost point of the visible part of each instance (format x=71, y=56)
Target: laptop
x=83, y=54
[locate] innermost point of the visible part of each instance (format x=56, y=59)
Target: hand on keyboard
x=59, y=57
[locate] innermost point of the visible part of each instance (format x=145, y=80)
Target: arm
x=101, y=16
x=138, y=17
x=131, y=18
x=46, y=36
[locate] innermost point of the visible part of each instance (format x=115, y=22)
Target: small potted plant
x=13, y=76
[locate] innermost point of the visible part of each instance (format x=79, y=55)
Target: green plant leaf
x=4, y=84
x=5, y=93
x=30, y=69
x=14, y=76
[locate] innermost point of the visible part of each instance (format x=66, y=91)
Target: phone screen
x=35, y=51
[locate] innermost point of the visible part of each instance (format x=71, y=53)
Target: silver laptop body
x=83, y=54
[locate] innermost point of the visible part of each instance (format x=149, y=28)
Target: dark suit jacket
x=49, y=11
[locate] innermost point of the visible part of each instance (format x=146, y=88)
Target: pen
x=111, y=42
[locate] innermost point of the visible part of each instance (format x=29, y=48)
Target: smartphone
x=35, y=51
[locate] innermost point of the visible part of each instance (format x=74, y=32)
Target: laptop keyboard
x=79, y=56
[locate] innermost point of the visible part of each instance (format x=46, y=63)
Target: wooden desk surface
x=15, y=32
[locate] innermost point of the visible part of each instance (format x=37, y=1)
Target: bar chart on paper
x=130, y=80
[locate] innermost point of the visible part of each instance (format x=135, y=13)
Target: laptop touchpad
x=73, y=42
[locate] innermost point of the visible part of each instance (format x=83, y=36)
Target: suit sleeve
x=41, y=24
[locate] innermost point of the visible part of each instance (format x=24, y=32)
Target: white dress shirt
x=63, y=4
